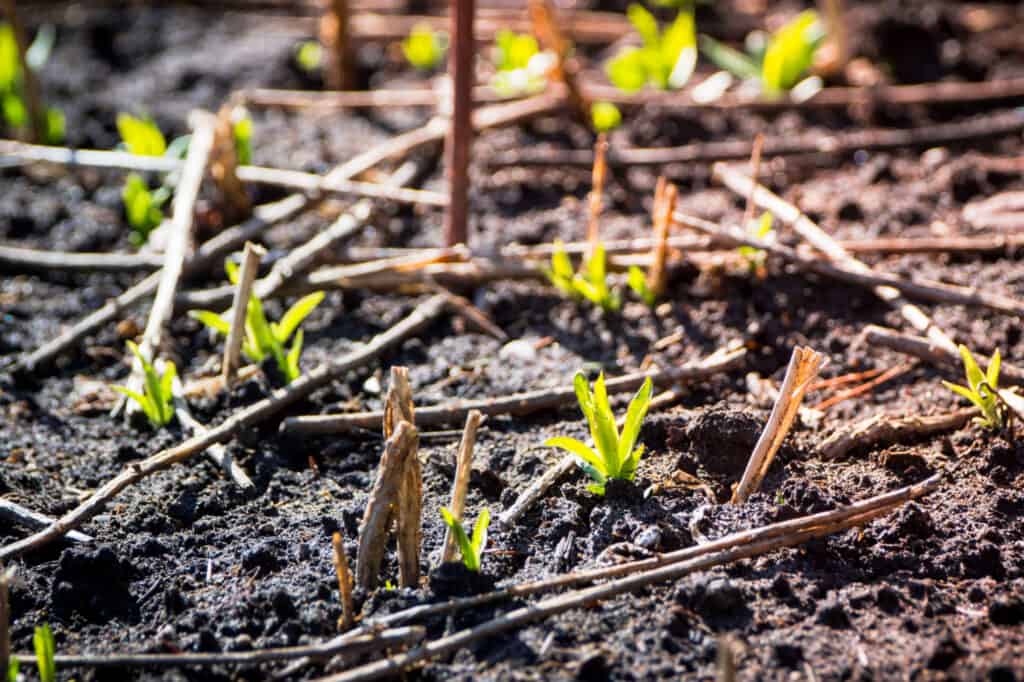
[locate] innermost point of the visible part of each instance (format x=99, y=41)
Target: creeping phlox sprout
x=667, y=57
x=471, y=548
x=615, y=457
x=591, y=283
x=157, y=399
x=981, y=389
x=263, y=338
x=424, y=48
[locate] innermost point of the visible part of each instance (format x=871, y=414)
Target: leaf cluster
x=667, y=57
x=471, y=548
x=157, y=398
x=981, y=388
x=520, y=66
x=143, y=208
x=779, y=61
x=590, y=283
x=760, y=230
x=265, y=339
x=13, y=105
x=616, y=457
x=424, y=48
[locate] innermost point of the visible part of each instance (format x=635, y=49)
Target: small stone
x=649, y=538
x=519, y=350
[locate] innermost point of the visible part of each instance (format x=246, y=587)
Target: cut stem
x=251, y=256
x=460, y=128
x=341, y=569
x=460, y=485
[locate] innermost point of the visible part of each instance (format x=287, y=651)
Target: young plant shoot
x=637, y=280
x=778, y=62
x=666, y=59
x=142, y=207
x=981, y=389
x=616, y=458
x=13, y=106
x=590, y=283
x=265, y=339
x=762, y=231
x=605, y=117
x=471, y=548
x=156, y=400
x=520, y=66
x=425, y=48
x=42, y=640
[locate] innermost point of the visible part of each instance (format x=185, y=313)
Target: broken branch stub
x=409, y=505
x=803, y=369
x=463, y=468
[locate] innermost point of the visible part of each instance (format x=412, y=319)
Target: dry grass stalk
x=726, y=662
x=803, y=368
x=341, y=569
x=460, y=129
x=547, y=29
x=463, y=467
x=867, y=386
x=251, y=256
x=224, y=166
x=33, y=97
x=339, y=65
x=408, y=507
x=755, y=171
x=658, y=272
x=596, y=199
x=882, y=429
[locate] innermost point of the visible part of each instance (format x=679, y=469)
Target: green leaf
x=141, y=135
x=42, y=640
x=463, y=541
x=764, y=226
x=12, y=669
x=231, y=270
x=973, y=372
x=629, y=465
x=645, y=24
x=605, y=116
x=212, y=320
x=55, y=126
x=603, y=429
x=242, y=130
x=143, y=216
x=966, y=393
x=627, y=70
x=291, y=368
x=729, y=59
x=262, y=335
x=790, y=52
x=634, y=419
x=584, y=452
x=10, y=62
x=678, y=49
x=992, y=375
x=514, y=50
x=583, y=395
x=309, y=55
x=561, y=265
x=424, y=48
x=167, y=391
x=479, y=540
x=295, y=315
x=15, y=111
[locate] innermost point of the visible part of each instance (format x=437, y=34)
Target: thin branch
x=14, y=513
x=595, y=202
x=866, y=387
x=463, y=468
x=45, y=260
x=517, y=403
x=339, y=65
x=251, y=256
x=803, y=369
x=657, y=275
x=344, y=574
x=418, y=319
x=882, y=429
x=459, y=139
x=5, y=618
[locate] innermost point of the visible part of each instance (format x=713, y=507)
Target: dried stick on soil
x=341, y=569
x=883, y=429
x=398, y=408
x=517, y=403
x=867, y=386
x=14, y=513
x=383, y=505
x=985, y=126
x=596, y=199
x=463, y=468
x=14, y=257
x=657, y=274
x=460, y=130
x=180, y=241
x=926, y=350
x=803, y=369
x=339, y=66
x=33, y=97
x=352, y=646
x=418, y=319
x=251, y=256
x=264, y=216
x=819, y=239
x=756, y=544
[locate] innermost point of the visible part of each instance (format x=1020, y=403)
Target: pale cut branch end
x=251, y=257
x=463, y=468
x=341, y=569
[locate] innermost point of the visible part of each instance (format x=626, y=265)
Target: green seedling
x=471, y=548
x=42, y=640
x=616, y=458
x=265, y=339
x=590, y=283
x=780, y=61
x=605, y=116
x=143, y=208
x=309, y=56
x=982, y=389
x=242, y=131
x=666, y=59
x=762, y=231
x=637, y=281
x=424, y=47
x=12, y=669
x=157, y=399
x=141, y=136
x=12, y=83
x=520, y=66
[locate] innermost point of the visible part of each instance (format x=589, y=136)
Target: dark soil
x=184, y=561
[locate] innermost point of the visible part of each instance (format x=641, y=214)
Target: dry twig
x=341, y=569
x=460, y=130
x=33, y=95
x=596, y=199
x=408, y=504
x=251, y=256
x=883, y=429
x=463, y=468
x=14, y=513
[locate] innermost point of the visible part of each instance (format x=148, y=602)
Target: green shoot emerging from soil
x=667, y=58
x=43, y=642
x=590, y=283
x=615, y=457
x=156, y=400
x=637, y=281
x=263, y=338
x=780, y=61
x=520, y=66
x=981, y=389
x=760, y=230
x=605, y=116
x=309, y=55
x=143, y=208
x=424, y=47
x=471, y=548
x=141, y=136
x=13, y=106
